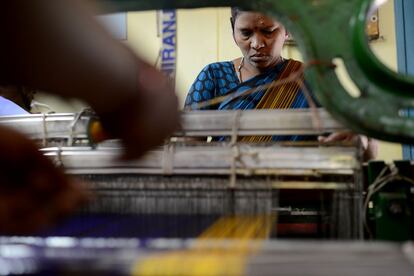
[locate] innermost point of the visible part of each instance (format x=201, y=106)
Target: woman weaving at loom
x=260, y=79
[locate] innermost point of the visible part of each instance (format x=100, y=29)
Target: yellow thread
x=280, y=94
x=211, y=261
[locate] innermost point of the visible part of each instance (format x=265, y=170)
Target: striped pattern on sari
x=279, y=96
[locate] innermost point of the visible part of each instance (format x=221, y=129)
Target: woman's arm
x=369, y=145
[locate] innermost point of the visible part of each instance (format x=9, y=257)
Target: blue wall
x=404, y=19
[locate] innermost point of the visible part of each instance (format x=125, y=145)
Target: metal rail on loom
x=213, y=159
x=121, y=256
x=72, y=129
x=384, y=95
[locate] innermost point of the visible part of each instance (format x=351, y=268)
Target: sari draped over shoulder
x=269, y=90
x=279, y=87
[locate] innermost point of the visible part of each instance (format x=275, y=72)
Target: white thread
x=168, y=158
x=74, y=123
x=44, y=138
x=235, y=149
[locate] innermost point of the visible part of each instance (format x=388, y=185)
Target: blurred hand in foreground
x=33, y=192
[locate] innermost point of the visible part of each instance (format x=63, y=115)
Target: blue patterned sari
x=219, y=81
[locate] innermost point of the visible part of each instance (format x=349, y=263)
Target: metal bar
x=215, y=159
x=98, y=256
x=311, y=185
x=58, y=127
x=259, y=122
x=49, y=127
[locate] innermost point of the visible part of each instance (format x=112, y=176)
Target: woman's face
x=259, y=38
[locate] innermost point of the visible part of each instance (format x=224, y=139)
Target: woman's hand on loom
x=33, y=192
x=344, y=136
x=369, y=146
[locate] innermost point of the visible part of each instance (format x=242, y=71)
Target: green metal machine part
x=325, y=30
x=391, y=214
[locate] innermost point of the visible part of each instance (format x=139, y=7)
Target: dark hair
x=235, y=11
x=27, y=97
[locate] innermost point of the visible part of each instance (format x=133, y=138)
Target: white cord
x=36, y=104
x=380, y=182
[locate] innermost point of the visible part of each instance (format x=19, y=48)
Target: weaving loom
x=209, y=191
x=200, y=182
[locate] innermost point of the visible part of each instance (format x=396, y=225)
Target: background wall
x=386, y=50
x=204, y=36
